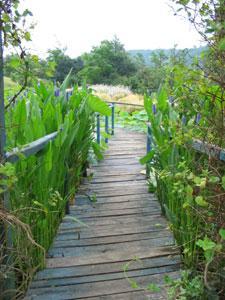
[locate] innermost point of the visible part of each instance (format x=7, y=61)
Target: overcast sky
x=81, y=24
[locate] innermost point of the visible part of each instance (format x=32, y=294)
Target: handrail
x=123, y=103
x=211, y=150
x=98, y=124
x=37, y=145
x=31, y=148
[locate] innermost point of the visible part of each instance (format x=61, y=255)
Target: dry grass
x=13, y=258
x=119, y=94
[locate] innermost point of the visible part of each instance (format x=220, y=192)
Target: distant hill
x=192, y=52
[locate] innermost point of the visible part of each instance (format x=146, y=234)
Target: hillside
x=192, y=52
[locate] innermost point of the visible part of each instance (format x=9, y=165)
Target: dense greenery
x=107, y=63
x=149, y=54
x=184, y=101
x=41, y=185
x=190, y=186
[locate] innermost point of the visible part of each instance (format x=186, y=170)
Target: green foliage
x=11, y=18
x=146, y=55
x=187, y=287
x=135, y=120
x=108, y=63
x=63, y=64
x=15, y=68
x=187, y=184
x=47, y=180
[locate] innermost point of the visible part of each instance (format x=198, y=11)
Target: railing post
x=113, y=118
x=148, y=146
x=98, y=129
x=106, y=128
x=148, y=137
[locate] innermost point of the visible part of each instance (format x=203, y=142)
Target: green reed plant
x=190, y=189
x=47, y=180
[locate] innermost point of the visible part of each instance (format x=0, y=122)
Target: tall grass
x=47, y=180
x=190, y=187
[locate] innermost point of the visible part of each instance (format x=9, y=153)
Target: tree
x=108, y=63
x=13, y=34
x=63, y=64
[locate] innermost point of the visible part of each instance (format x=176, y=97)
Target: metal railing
x=108, y=130
x=109, y=127
x=198, y=145
x=30, y=149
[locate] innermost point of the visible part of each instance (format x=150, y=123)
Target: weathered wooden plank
x=116, y=173
x=115, y=185
x=111, y=248
x=96, y=289
x=118, y=212
x=103, y=277
x=76, y=234
x=104, y=223
x=117, y=178
x=134, y=295
x=122, y=220
x=127, y=168
x=114, y=219
x=105, y=240
x=125, y=223
x=138, y=153
x=117, y=162
x=126, y=212
x=128, y=156
x=114, y=193
x=128, y=142
x=83, y=199
x=113, y=205
x=107, y=257
x=96, y=269
x=111, y=230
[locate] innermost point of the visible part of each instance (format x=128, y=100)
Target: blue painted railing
x=107, y=129
x=198, y=145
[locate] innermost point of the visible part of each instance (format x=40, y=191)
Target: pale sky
x=81, y=24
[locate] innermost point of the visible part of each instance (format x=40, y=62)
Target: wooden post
x=106, y=128
x=113, y=118
x=148, y=146
x=98, y=129
x=148, y=138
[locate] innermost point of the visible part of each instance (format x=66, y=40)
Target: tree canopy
x=108, y=63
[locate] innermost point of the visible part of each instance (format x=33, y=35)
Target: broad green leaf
x=214, y=179
x=27, y=36
x=222, y=233
x=222, y=44
x=98, y=105
x=148, y=106
x=97, y=150
x=15, y=62
x=200, y=201
x=148, y=157
x=223, y=182
x=206, y=244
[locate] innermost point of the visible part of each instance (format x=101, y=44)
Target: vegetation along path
x=125, y=247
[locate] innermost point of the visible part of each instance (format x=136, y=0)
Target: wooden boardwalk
x=124, y=226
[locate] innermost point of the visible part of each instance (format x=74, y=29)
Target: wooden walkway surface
x=124, y=226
